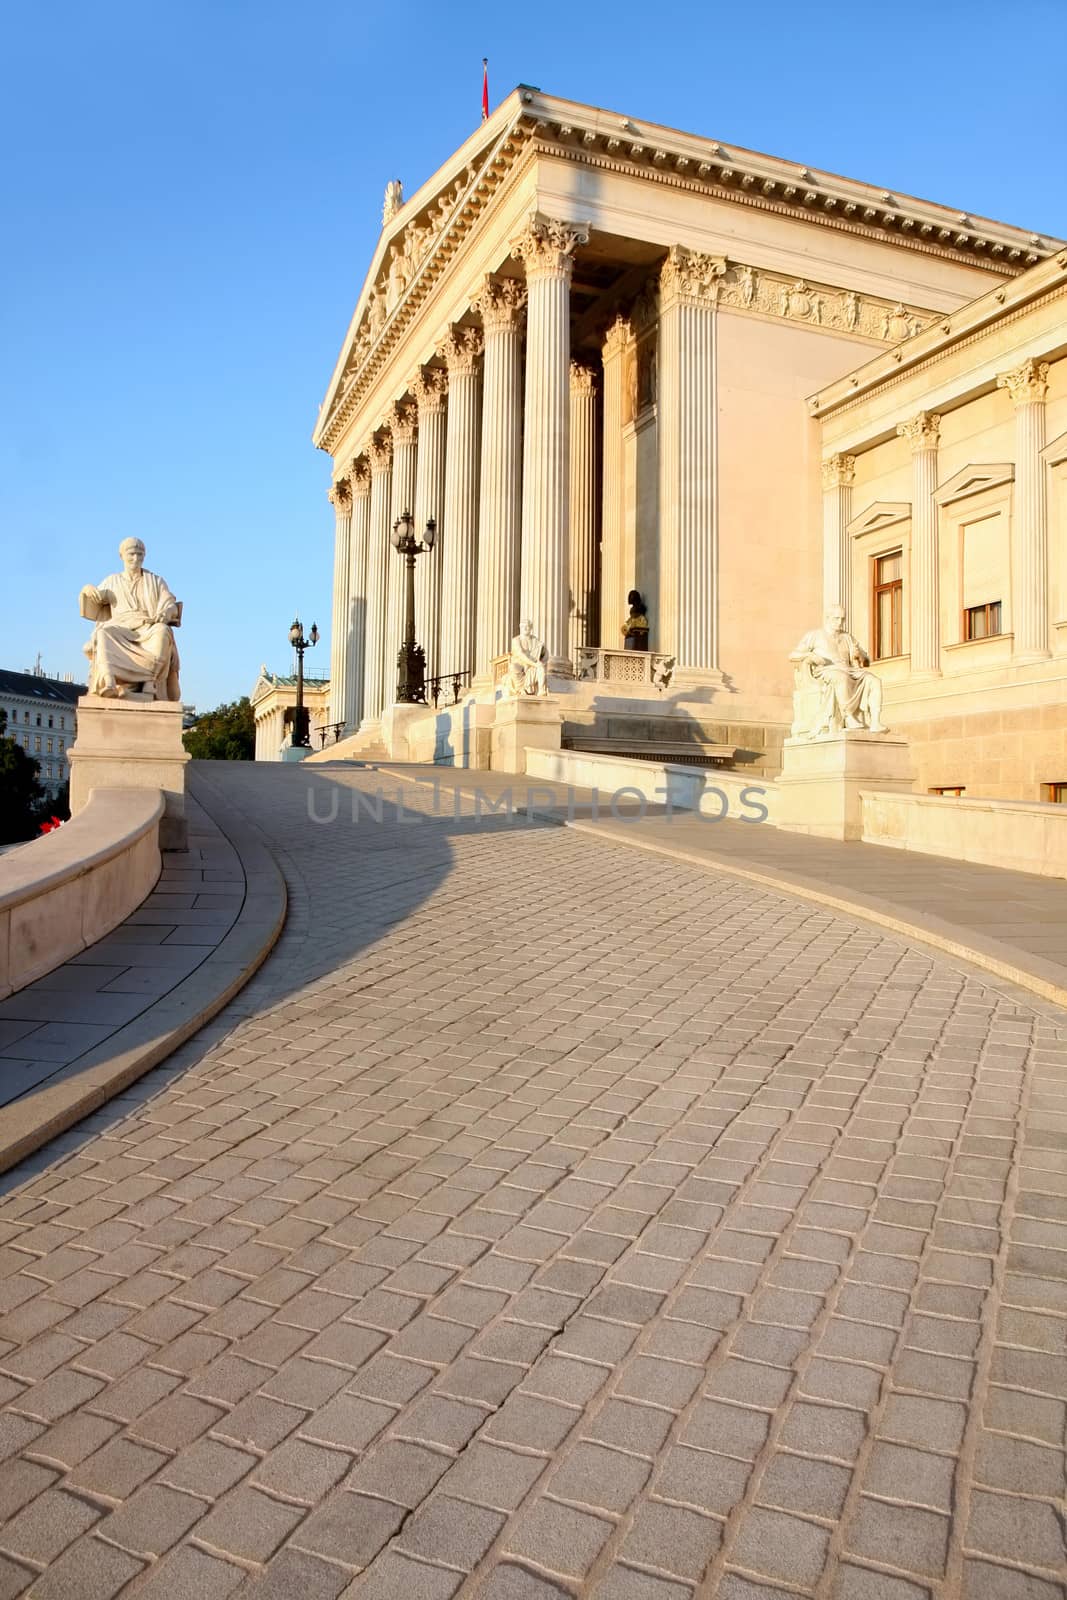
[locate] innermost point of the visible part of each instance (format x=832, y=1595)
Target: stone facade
x=42, y=717
x=707, y=333
x=273, y=700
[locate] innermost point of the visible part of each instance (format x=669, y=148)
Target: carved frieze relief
x=748, y=288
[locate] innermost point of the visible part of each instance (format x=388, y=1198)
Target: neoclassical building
x=606, y=355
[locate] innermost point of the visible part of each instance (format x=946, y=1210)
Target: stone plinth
x=296, y=752
x=822, y=779
x=397, y=723
x=530, y=722
x=132, y=743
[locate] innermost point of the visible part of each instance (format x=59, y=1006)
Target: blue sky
x=191, y=193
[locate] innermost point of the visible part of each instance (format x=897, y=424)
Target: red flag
x=485, y=88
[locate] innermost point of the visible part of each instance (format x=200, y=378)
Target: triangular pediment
x=880, y=514
x=1055, y=452
x=264, y=686
x=973, y=479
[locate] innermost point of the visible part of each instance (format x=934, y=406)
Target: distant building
x=42, y=717
x=273, y=703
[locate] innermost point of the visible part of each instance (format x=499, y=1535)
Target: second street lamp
x=411, y=662
x=301, y=740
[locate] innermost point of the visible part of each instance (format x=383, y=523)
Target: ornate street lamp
x=301, y=740
x=411, y=662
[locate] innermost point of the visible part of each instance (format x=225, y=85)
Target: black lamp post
x=411, y=662
x=301, y=741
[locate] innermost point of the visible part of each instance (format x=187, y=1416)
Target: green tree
x=23, y=800
x=226, y=734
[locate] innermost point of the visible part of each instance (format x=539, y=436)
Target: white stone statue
x=132, y=645
x=394, y=199
x=834, y=687
x=528, y=664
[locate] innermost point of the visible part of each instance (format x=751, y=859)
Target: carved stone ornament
x=922, y=432
x=838, y=472
x=583, y=379
x=500, y=303
x=546, y=247
x=380, y=452
x=747, y=288
x=691, y=275
x=430, y=388
x=460, y=349
x=359, y=476
x=1027, y=384
x=616, y=338
x=403, y=421
x=394, y=199
x=339, y=495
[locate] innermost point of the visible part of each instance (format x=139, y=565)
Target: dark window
x=949, y=789
x=982, y=622
x=1056, y=792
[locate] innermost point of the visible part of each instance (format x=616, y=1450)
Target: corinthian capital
x=460, y=349
x=617, y=338
x=500, y=303
x=402, y=421
x=430, y=388
x=583, y=379
x=359, y=476
x=838, y=472
x=922, y=432
x=691, y=275
x=380, y=453
x=1027, y=384
x=546, y=247
x=339, y=495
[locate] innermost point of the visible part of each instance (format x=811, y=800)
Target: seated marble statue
x=132, y=645
x=834, y=687
x=528, y=663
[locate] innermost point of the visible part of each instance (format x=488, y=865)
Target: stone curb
x=996, y=956
x=98, y=1075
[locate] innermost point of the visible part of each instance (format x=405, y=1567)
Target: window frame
x=896, y=621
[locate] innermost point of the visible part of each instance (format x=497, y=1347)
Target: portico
x=585, y=347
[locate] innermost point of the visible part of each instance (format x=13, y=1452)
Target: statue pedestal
x=819, y=789
x=530, y=722
x=133, y=743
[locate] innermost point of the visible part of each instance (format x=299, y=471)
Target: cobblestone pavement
x=546, y=1218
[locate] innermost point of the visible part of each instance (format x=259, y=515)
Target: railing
x=624, y=666
x=336, y=728
x=447, y=688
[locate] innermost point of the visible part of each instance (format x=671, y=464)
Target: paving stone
x=191, y=1574
x=153, y=1520
x=779, y=1546
x=495, y=1476
x=90, y=1570
x=118, y=1469
x=626, y=1583
x=248, y=1525
x=924, y=1422
x=47, y=1525
x=397, y=1577
x=558, y=1537
x=399, y=1471
x=726, y=1429
x=797, y=1483
x=450, y=1531
x=21, y=1482
x=1026, y=1531
x=675, y=1541
x=350, y=1529
x=899, y=1536
x=862, y=1583
x=982, y=1581
x=915, y=1476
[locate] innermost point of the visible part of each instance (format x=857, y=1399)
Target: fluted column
x=500, y=494
x=1028, y=386
x=546, y=249
x=430, y=388
x=459, y=542
x=340, y=497
x=922, y=433
x=352, y=697
x=379, y=551
x=838, y=476
x=584, y=617
x=688, y=502
x=615, y=581
x=402, y=427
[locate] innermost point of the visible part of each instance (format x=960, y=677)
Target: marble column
x=340, y=497
x=615, y=580
x=584, y=617
x=459, y=541
x=352, y=699
x=687, y=626
x=500, y=492
x=402, y=427
x=430, y=388
x=1028, y=386
x=546, y=249
x=838, y=476
x=922, y=434
x=379, y=551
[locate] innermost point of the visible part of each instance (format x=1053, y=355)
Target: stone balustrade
x=64, y=891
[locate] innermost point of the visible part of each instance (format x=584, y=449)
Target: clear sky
x=191, y=191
